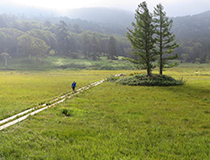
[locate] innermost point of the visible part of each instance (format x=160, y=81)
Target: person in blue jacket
x=73, y=85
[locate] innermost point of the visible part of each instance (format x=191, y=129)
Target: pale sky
x=172, y=7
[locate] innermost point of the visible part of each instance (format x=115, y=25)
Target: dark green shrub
x=153, y=80
x=67, y=112
x=41, y=103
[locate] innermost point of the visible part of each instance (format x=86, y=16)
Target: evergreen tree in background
x=165, y=39
x=63, y=38
x=142, y=39
x=95, y=48
x=112, y=49
x=85, y=45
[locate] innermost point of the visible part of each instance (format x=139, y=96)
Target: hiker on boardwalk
x=73, y=85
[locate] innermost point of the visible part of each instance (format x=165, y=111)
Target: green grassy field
x=22, y=90
x=113, y=121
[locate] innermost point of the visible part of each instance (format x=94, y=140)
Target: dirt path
x=30, y=112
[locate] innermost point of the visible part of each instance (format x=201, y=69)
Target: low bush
x=67, y=112
x=112, y=78
x=153, y=80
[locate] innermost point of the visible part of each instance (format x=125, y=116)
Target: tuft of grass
x=41, y=103
x=67, y=112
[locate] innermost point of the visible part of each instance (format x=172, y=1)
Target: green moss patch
x=153, y=80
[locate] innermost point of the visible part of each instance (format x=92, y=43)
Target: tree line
x=36, y=39
x=192, y=34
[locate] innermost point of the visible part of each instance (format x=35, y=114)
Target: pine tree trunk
x=161, y=45
x=161, y=64
x=148, y=72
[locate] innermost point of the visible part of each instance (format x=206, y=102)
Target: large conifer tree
x=142, y=39
x=165, y=39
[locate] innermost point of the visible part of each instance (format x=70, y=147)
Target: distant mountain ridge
x=103, y=15
x=195, y=26
x=115, y=20
x=192, y=32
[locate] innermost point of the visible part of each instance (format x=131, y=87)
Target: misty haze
x=104, y=79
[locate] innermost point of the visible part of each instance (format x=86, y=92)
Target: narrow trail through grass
x=113, y=121
x=21, y=91
x=23, y=115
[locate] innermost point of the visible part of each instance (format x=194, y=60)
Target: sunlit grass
x=113, y=121
x=23, y=90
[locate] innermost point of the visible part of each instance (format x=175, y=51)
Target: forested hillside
x=39, y=35
x=193, y=35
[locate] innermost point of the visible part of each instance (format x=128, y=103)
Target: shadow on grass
x=197, y=92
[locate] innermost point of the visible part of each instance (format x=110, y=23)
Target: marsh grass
x=113, y=121
x=23, y=90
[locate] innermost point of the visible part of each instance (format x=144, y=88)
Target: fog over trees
x=41, y=33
